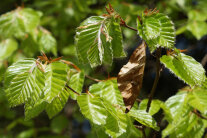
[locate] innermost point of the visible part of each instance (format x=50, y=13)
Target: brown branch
x=199, y=115
x=123, y=23
x=72, y=90
x=204, y=60
x=158, y=68
x=89, y=77
x=71, y=64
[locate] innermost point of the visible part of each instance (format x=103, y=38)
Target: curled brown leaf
x=131, y=75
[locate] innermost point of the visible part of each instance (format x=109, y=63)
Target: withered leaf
x=131, y=75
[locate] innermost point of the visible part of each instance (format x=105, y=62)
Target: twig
x=199, y=115
x=72, y=90
x=158, y=54
x=97, y=80
x=143, y=131
x=204, y=60
x=123, y=23
x=71, y=64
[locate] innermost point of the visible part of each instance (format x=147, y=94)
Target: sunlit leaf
x=108, y=90
x=76, y=83
x=157, y=30
x=144, y=118
x=92, y=108
x=56, y=78
x=186, y=68
x=19, y=81
x=198, y=99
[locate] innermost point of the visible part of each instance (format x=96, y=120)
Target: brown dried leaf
x=131, y=75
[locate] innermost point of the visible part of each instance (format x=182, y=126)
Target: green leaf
x=131, y=131
x=144, y=118
x=19, y=22
x=117, y=39
x=154, y=107
x=19, y=81
x=197, y=28
x=76, y=83
x=108, y=90
x=92, y=108
x=7, y=47
x=88, y=40
x=198, y=99
x=47, y=42
x=186, y=68
x=177, y=105
x=98, y=39
x=157, y=30
x=57, y=104
x=32, y=111
x=182, y=128
x=56, y=79
x=116, y=122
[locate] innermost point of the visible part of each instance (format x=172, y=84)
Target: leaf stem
x=199, y=115
x=158, y=69
x=72, y=90
x=123, y=23
x=89, y=77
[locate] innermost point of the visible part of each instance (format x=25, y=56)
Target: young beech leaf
x=186, y=68
x=131, y=75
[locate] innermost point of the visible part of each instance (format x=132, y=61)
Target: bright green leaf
x=56, y=79
x=144, y=118
x=198, y=99
x=109, y=91
x=92, y=108
x=57, y=104
x=186, y=68
x=76, y=83
x=157, y=30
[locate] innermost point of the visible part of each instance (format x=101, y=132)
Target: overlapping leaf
x=98, y=39
x=92, y=108
x=185, y=68
x=19, y=81
x=131, y=75
x=144, y=118
x=56, y=79
x=198, y=99
x=47, y=42
x=157, y=30
x=57, y=104
x=18, y=22
x=76, y=83
x=108, y=90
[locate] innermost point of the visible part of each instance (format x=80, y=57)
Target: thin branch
x=143, y=131
x=89, y=77
x=199, y=115
x=204, y=60
x=123, y=23
x=129, y=27
x=72, y=90
x=71, y=64
x=158, y=68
